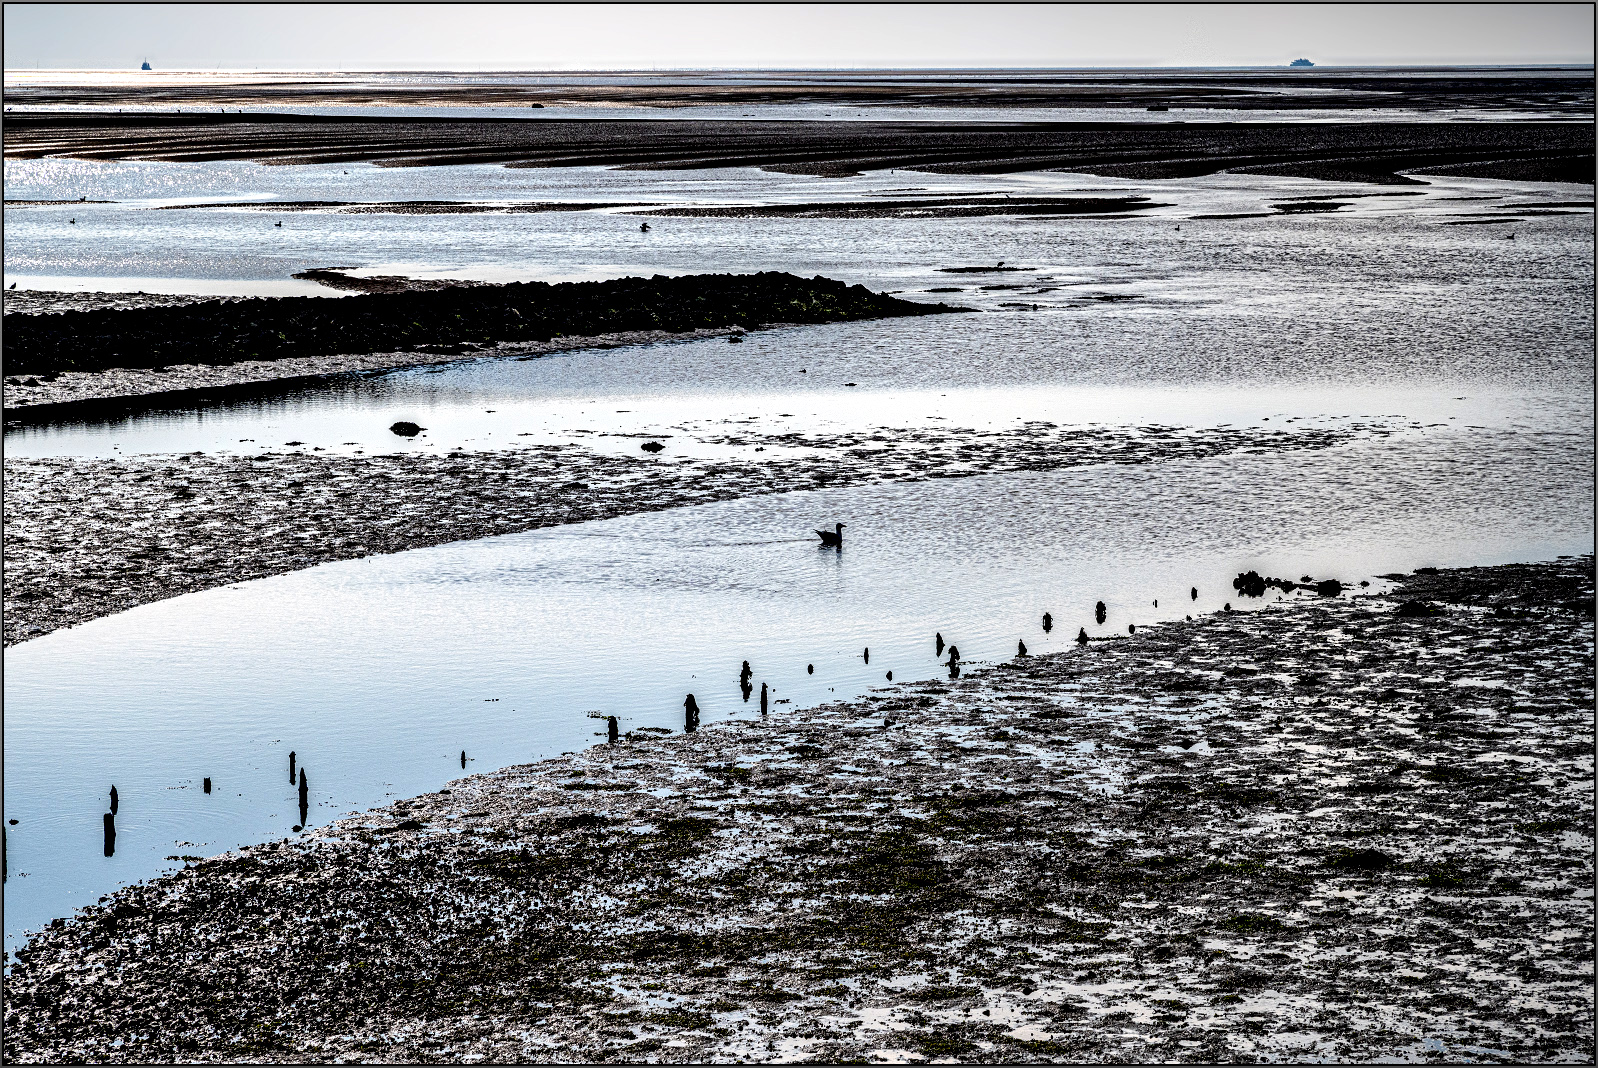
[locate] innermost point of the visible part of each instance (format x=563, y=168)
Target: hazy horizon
x=469, y=38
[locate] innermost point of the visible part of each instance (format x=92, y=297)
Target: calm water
x=1476, y=350
x=378, y=672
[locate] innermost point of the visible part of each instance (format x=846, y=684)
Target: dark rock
x=406, y=429
x=1249, y=584
x=1417, y=609
x=1359, y=860
x=1329, y=588
x=652, y=446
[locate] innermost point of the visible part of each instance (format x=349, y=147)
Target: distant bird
x=1048, y=622
x=1098, y=612
x=690, y=709
x=1131, y=628
x=278, y=225
x=1082, y=636
x=613, y=731
x=890, y=676
x=74, y=222
x=1194, y=592
x=834, y=538
x=1020, y=648
x=463, y=758
x=643, y=228
x=810, y=669
x=113, y=800
x=954, y=654
x=868, y=654
x=13, y=285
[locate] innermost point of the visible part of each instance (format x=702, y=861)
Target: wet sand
x=1362, y=152
x=1334, y=828
x=31, y=401
x=89, y=537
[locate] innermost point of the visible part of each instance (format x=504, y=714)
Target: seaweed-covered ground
x=86, y=537
x=273, y=328
x=1351, y=827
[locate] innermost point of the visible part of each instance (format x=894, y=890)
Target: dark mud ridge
x=1325, y=830
x=1564, y=91
x=87, y=537
x=1360, y=152
x=225, y=332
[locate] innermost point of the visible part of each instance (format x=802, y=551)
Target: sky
x=627, y=36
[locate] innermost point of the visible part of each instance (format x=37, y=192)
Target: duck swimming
x=832, y=537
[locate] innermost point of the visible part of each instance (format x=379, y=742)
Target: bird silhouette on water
x=1098, y=612
x=690, y=709
x=939, y=639
x=1082, y=636
x=1020, y=648
x=832, y=537
x=1048, y=622
x=1193, y=593
x=612, y=729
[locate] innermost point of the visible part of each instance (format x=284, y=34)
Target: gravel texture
x=1335, y=828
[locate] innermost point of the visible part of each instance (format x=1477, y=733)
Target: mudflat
x=1371, y=152
x=1352, y=827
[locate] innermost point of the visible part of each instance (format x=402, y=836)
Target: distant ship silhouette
x=1301, y=63
x=145, y=65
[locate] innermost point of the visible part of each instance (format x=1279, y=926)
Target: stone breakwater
x=1329, y=829
x=460, y=317
x=89, y=537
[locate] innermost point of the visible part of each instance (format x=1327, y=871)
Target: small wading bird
x=832, y=537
